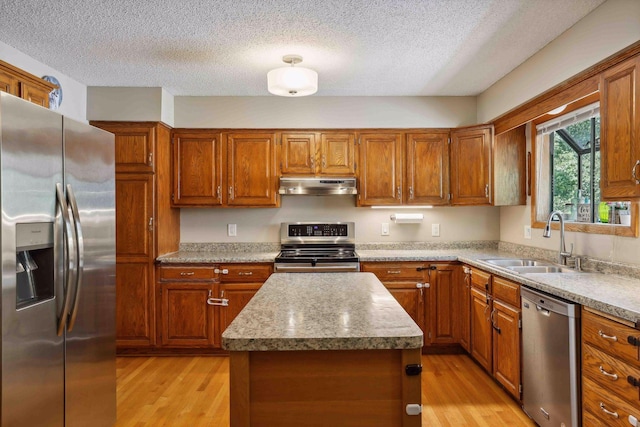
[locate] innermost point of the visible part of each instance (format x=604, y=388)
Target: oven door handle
x=280, y=268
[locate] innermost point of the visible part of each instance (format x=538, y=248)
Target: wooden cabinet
x=442, y=309
x=463, y=312
x=620, y=131
x=495, y=339
x=18, y=82
x=381, y=169
x=318, y=153
x=186, y=320
x=471, y=166
x=197, y=168
x=251, y=169
x=610, y=369
x=146, y=226
x=427, y=168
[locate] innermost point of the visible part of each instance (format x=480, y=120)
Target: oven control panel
x=318, y=230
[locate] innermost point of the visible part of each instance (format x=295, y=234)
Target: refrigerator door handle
x=71, y=198
x=67, y=234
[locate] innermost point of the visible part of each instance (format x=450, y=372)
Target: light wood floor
x=193, y=391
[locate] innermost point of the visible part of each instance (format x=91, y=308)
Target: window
x=567, y=165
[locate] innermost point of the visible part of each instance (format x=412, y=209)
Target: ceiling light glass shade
x=292, y=81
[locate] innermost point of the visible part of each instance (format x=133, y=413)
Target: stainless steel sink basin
x=542, y=269
x=517, y=262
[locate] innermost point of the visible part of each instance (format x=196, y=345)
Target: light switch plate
x=232, y=230
x=435, y=230
x=384, y=230
x=527, y=231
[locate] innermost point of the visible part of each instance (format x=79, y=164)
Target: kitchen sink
x=517, y=262
x=541, y=269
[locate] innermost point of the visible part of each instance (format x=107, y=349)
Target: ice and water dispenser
x=34, y=263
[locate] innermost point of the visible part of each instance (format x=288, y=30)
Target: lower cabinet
x=481, y=336
x=463, y=302
x=135, y=314
x=191, y=314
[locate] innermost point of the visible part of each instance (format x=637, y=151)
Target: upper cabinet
x=318, y=154
x=381, y=168
x=471, y=166
x=427, y=168
x=620, y=131
x=17, y=82
x=134, y=145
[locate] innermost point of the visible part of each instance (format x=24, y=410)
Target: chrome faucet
x=563, y=254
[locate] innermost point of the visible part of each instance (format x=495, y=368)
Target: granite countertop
x=322, y=311
x=214, y=257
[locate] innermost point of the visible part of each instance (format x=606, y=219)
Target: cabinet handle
x=614, y=377
x=150, y=160
x=634, y=341
x=187, y=273
x=219, y=192
x=394, y=271
x=222, y=293
x=633, y=172
x=324, y=161
x=313, y=162
x=231, y=192
x=411, y=193
x=633, y=381
x=151, y=224
x=608, y=337
x=399, y=193
x=223, y=271
x=486, y=191
x=245, y=273
x=606, y=411
x=423, y=285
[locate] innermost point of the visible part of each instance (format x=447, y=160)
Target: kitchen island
x=321, y=349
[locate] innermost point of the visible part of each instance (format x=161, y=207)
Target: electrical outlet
x=527, y=231
x=232, y=230
x=384, y=230
x=435, y=230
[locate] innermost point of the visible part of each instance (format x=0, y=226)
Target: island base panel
x=349, y=388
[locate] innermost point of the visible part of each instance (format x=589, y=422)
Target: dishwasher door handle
x=543, y=311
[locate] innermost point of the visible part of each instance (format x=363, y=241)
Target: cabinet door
x=135, y=319
x=186, y=318
x=381, y=169
x=134, y=145
x=34, y=94
x=506, y=347
x=134, y=217
x=197, y=169
x=239, y=295
x=463, y=309
x=620, y=131
x=298, y=154
x=441, y=308
x=411, y=298
x=471, y=166
x=9, y=83
x=427, y=168
x=481, y=331
x=251, y=170
x=337, y=154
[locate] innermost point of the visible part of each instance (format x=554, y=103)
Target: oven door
x=308, y=267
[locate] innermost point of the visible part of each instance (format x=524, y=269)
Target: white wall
x=136, y=104
x=74, y=93
x=263, y=225
x=610, y=28
x=324, y=112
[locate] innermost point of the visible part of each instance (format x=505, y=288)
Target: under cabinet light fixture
x=292, y=81
x=403, y=207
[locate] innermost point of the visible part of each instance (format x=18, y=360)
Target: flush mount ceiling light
x=292, y=81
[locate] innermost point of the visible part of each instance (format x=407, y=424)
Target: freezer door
x=32, y=351
x=90, y=383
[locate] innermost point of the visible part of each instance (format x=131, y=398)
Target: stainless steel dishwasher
x=550, y=359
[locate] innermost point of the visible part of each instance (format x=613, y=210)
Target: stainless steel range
x=317, y=247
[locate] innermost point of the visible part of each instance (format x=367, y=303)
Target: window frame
x=580, y=227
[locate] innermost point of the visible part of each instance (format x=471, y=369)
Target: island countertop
x=322, y=311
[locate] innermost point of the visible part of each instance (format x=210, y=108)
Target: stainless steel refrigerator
x=58, y=269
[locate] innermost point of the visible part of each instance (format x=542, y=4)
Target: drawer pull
x=223, y=271
x=394, y=271
x=608, y=337
x=187, y=273
x=606, y=411
x=634, y=341
x=633, y=381
x=614, y=377
x=245, y=273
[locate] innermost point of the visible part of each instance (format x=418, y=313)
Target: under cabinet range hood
x=317, y=186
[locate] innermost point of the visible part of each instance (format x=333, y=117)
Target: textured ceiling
x=220, y=47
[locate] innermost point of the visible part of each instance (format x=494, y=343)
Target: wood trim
x=239, y=366
x=575, y=87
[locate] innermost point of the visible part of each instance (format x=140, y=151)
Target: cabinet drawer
x=243, y=273
x=610, y=336
x=396, y=271
x=188, y=273
x=605, y=406
x=481, y=280
x=506, y=291
x=602, y=367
